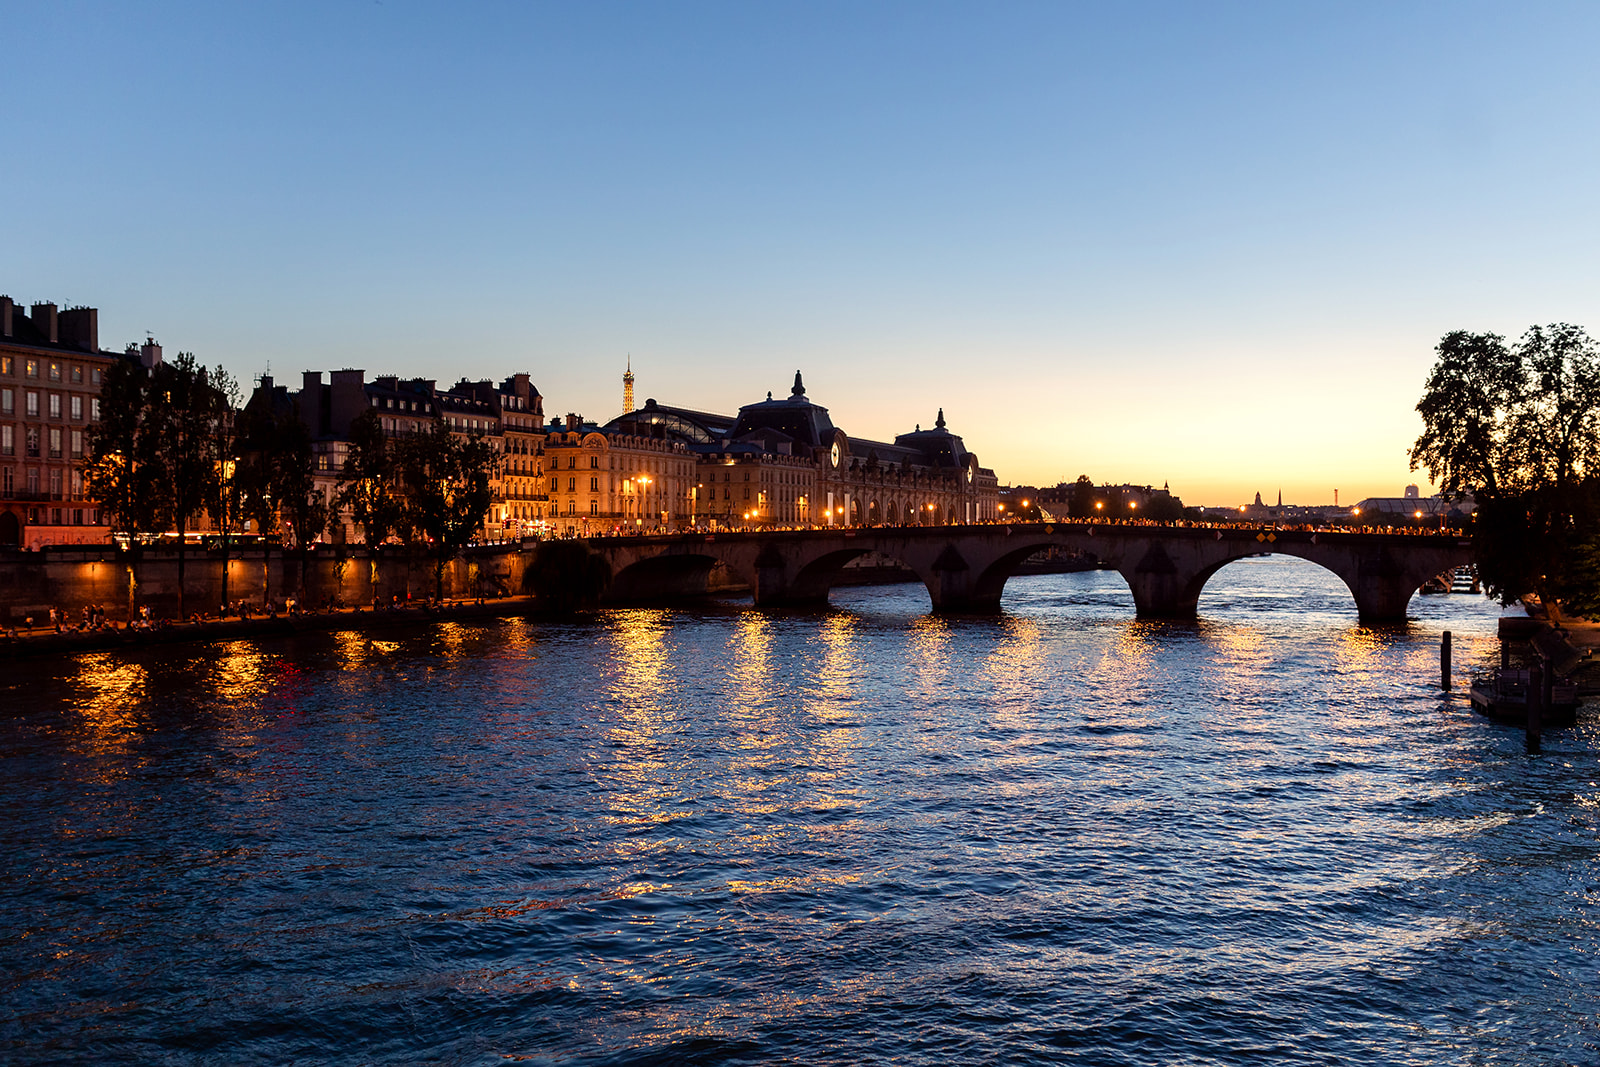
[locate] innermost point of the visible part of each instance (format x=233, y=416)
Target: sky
x=1204, y=244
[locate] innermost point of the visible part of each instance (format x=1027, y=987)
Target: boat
x=1503, y=695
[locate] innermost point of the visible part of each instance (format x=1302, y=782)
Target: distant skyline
x=1211, y=245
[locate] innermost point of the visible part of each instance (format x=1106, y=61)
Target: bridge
x=965, y=567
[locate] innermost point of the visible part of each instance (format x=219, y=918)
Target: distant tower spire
x=939, y=422
x=627, y=387
x=799, y=386
x=1280, y=498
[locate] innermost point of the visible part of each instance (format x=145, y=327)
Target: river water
x=865, y=836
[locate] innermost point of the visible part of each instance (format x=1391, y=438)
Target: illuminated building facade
x=51, y=369
x=782, y=462
x=606, y=480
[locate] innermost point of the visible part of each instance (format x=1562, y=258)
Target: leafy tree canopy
x=1517, y=427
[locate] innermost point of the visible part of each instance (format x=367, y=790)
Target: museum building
x=783, y=462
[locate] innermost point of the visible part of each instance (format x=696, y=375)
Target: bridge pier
x=1383, y=587
x=1163, y=590
x=955, y=586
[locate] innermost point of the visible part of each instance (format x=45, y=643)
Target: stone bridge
x=965, y=567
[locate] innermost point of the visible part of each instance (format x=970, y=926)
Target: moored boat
x=1503, y=694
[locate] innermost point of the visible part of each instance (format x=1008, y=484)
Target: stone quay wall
x=71, y=577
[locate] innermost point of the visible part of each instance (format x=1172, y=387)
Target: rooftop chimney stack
x=7, y=309
x=150, y=354
x=80, y=329
x=44, y=320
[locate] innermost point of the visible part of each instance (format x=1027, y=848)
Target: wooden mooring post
x=1444, y=662
x=1535, y=704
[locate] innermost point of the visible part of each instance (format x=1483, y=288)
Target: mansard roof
x=795, y=416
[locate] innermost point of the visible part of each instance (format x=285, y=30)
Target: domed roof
x=795, y=416
x=939, y=446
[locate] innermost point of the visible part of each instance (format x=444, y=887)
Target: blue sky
x=1211, y=244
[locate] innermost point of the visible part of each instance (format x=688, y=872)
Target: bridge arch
x=665, y=576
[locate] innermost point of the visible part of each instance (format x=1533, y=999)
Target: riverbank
x=43, y=641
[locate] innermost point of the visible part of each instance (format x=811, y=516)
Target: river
x=870, y=835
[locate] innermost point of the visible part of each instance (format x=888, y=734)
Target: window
x=8, y=442
x=555, y=484
x=77, y=490
x=55, y=371
x=33, y=403
x=94, y=408
x=30, y=368
x=572, y=485
x=594, y=508
x=77, y=408
x=55, y=444
x=8, y=401
x=77, y=444
x=7, y=365
x=32, y=441
x=77, y=516
x=77, y=376
x=8, y=481
x=94, y=378
x=594, y=485
x=55, y=486
x=55, y=405
x=33, y=479
x=55, y=516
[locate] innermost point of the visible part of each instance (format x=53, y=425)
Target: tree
x=368, y=489
x=276, y=477
x=1080, y=498
x=303, y=509
x=123, y=470
x=445, y=479
x=1518, y=428
x=1467, y=408
x=183, y=411
x=226, y=504
x=1163, y=507
x=153, y=461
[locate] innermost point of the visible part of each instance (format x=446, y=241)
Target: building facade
x=508, y=416
x=783, y=462
x=606, y=480
x=51, y=369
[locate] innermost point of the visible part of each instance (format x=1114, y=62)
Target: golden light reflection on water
x=642, y=667
x=644, y=771
x=1013, y=670
x=115, y=692
x=835, y=694
x=239, y=672
x=929, y=653
x=751, y=672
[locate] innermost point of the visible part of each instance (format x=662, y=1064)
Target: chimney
x=44, y=320
x=7, y=308
x=348, y=399
x=150, y=354
x=573, y=421
x=80, y=329
x=311, y=399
